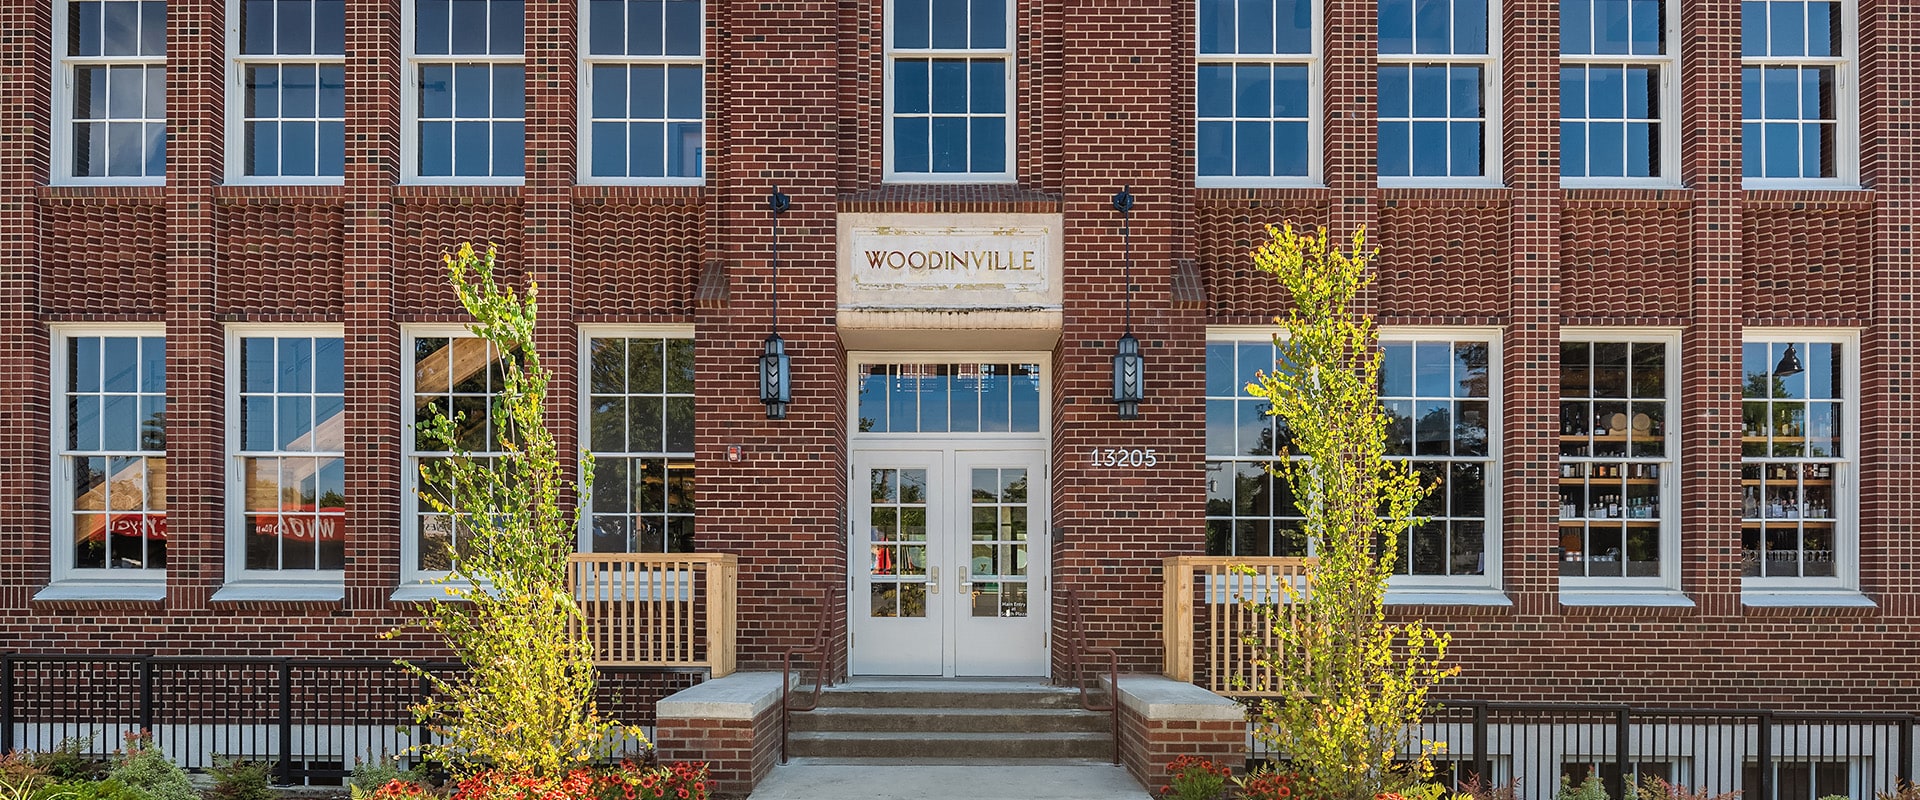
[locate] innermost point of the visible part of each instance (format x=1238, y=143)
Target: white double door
x=949, y=560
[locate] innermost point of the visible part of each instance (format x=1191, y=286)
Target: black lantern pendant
x=1789, y=364
x=776, y=369
x=1129, y=368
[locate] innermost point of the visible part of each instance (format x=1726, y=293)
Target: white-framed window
x=452, y=372
x=1619, y=441
x=1257, y=93
x=1797, y=93
x=286, y=105
x=464, y=95
x=1440, y=388
x=110, y=453
x=637, y=420
x=1439, y=92
x=110, y=91
x=949, y=97
x=1799, y=446
x=286, y=432
x=1617, y=97
x=643, y=117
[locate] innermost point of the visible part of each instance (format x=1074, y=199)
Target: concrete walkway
x=849, y=779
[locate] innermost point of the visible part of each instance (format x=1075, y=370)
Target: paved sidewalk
x=818, y=779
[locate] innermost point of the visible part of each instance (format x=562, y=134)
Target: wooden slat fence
x=1210, y=635
x=658, y=610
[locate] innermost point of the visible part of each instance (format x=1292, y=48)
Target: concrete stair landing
x=876, y=721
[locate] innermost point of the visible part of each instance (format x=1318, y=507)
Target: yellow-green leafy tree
x=524, y=704
x=1352, y=685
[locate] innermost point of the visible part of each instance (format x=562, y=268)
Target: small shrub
x=371, y=776
x=1654, y=787
x=1478, y=788
x=108, y=789
x=1906, y=790
x=70, y=762
x=241, y=780
x=1191, y=778
x=1267, y=784
x=1590, y=789
x=143, y=768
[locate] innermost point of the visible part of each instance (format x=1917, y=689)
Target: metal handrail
x=829, y=597
x=1076, y=647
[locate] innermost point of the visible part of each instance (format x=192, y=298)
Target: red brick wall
x=1105, y=98
x=738, y=753
x=1148, y=745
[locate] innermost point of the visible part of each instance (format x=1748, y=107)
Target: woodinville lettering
x=951, y=260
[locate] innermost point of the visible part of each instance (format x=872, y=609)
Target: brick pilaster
x=25, y=460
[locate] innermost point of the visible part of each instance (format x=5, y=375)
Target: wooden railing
x=1206, y=620
x=653, y=610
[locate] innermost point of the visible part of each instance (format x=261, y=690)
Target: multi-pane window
x=1257, y=90
x=949, y=89
x=1799, y=780
x=1614, y=68
x=291, y=66
x=949, y=398
x=457, y=376
x=1438, y=398
x=290, y=459
x=112, y=86
x=1616, y=458
x=1796, y=452
x=1249, y=512
x=644, y=77
x=111, y=492
x=1437, y=75
x=640, y=430
x=468, y=74
x=1795, y=57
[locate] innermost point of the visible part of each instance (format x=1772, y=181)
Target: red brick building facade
x=1703, y=257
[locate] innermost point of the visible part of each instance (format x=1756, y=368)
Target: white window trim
x=1846, y=89
x=583, y=541
x=856, y=359
x=67, y=581
x=583, y=104
x=1012, y=56
x=1843, y=589
x=1669, y=63
x=1468, y=590
x=261, y=583
x=1624, y=591
x=1494, y=134
x=1315, y=61
x=236, y=145
x=60, y=147
x=410, y=64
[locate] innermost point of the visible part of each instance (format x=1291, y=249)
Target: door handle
x=933, y=580
x=966, y=578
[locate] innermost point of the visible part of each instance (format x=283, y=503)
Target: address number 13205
x=1123, y=457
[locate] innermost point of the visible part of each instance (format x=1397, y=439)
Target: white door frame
x=954, y=448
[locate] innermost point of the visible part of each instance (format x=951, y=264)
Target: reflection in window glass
x=1256, y=88
x=291, y=62
x=457, y=377
x=118, y=95
x=640, y=431
x=950, y=398
x=291, y=454
x=1439, y=415
x=949, y=63
x=1434, y=76
x=644, y=87
x=114, y=451
x=1614, y=66
x=470, y=81
x=1793, y=58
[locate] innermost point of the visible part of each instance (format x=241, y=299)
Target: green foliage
x=1654, y=787
x=1353, y=686
x=369, y=776
x=1191, y=778
x=241, y=780
x=143, y=768
x=70, y=762
x=524, y=705
x=88, y=790
x=1590, y=789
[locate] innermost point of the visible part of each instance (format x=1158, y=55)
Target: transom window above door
x=949, y=113
x=949, y=398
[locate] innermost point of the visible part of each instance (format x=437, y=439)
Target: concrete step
x=953, y=720
x=915, y=744
x=934, y=693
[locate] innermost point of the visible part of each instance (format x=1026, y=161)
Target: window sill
x=420, y=593
x=1491, y=598
x=92, y=591
x=280, y=592
x=1805, y=598
x=1625, y=598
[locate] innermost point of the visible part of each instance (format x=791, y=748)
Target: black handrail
x=1076, y=647
x=829, y=598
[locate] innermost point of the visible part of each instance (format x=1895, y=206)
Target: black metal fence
x=1764, y=755
x=313, y=719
